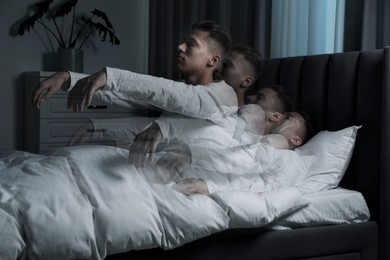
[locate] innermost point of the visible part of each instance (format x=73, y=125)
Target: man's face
x=233, y=69
x=193, y=54
x=291, y=126
x=267, y=99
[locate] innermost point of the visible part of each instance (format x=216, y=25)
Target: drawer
x=54, y=124
x=56, y=107
x=59, y=130
x=46, y=148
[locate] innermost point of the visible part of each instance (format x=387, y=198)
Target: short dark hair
x=252, y=56
x=218, y=33
x=286, y=103
x=310, y=128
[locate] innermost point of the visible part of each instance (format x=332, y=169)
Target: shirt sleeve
x=251, y=182
x=197, y=131
x=239, y=159
x=236, y=168
x=110, y=96
x=214, y=101
x=221, y=181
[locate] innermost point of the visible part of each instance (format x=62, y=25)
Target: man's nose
x=181, y=47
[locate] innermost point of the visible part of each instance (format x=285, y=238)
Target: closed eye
x=227, y=64
x=260, y=95
x=189, y=41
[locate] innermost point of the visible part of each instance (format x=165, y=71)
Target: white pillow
x=248, y=209
x=333, y=152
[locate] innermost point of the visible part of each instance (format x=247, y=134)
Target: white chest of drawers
x=53, y=125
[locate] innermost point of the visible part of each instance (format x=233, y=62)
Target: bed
x=345, y=93
x=339, y=90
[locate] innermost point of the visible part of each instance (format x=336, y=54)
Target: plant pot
x=71, y=59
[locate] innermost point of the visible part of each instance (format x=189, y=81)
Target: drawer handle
x=96, y=130
x=97, y=107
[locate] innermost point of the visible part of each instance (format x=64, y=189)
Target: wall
x=29, y=52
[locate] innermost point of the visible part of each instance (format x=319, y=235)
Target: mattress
x=334, y=206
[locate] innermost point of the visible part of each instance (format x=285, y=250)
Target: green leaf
x=65, y=8
x=40, y=9
x=102, y=15
x=113, y=39
x=103, y=31
x=27, y=24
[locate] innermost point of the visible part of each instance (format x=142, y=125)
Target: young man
x=198, y=56
x=198, y=96
x=222, y=169
x=240, y=69
x=251, y=122
x=274, y=127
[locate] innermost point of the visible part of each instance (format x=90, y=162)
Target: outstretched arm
x=213, y=101
x=63, y=80
x=49, y=86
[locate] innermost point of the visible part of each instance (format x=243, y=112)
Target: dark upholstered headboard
x=340, y=90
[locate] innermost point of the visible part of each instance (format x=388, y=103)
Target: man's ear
x=214, y=61
x=295, y=140
x=248, y=81
x=276, y=117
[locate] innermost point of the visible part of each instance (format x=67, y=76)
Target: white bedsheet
x=86, y=202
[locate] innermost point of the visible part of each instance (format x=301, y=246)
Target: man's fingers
x=72, y=140
x=143, y=151
x=144, y=144
x=135, y=156
x=44, y=96
x=75, y=97
x=87, y=133
x=75, y=102
x=151, y=149
x=88, y=98
x=48, y=87
x=165, y=161
x=130, y=156
x=41, y=94
x=37, y=95
x=132, y=151
x=70, y=100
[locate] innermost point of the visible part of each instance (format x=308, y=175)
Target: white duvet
x=87, y=202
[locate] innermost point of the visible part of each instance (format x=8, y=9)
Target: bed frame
x=338, y=90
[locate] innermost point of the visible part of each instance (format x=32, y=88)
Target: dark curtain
x=367, y=24
x=171, y=20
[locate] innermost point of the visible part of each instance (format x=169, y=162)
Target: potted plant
x=82, y=28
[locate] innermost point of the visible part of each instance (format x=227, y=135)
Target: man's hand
x=49, y=86
x=82, y=134
x=176, y=158
x=145, y=143
x=192, y=186
x=82, y=93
